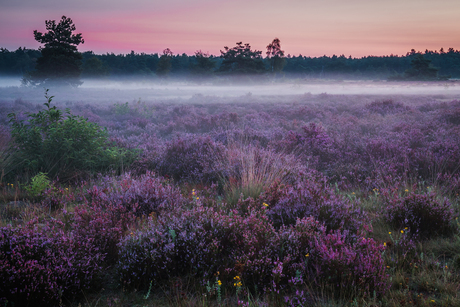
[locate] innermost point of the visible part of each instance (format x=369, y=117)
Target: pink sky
x=311, y=28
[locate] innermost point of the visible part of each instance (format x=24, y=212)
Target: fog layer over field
x=112, y=91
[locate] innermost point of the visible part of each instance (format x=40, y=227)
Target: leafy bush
x=62, y=147
x=421, y=213
x=38, y=185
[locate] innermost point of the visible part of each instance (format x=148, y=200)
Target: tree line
x=59, y=59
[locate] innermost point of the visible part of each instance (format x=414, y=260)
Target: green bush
x=38, y=185
x=62, y=146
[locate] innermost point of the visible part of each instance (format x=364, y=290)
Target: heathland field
x=190, y=196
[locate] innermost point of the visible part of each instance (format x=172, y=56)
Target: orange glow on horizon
x=355, y=27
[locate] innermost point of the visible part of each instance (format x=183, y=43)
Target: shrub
x=199, y=242
x=421, y=213
x=191, y=158
x=62, y=147
x=38, y=185
x=41, y=264
x=141, y=196
x=311, y=195
x=385, y=107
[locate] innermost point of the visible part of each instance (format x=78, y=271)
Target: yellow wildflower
x=384, y=243
x=402, y=231
x=265, y=204
x=389, y=233
x=219, y=283
x=307, y=255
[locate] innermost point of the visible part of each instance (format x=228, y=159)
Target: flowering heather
x=424, y=214
x=40, y=264
x=140, y=195
x=311, y=195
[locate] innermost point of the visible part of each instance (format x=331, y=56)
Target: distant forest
x=22, y=60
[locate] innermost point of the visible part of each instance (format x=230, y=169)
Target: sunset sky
x=308, y=27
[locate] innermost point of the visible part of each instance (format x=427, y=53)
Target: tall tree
x=164, y=64
x=276, y=56
x=421, y=69
x=241, y=60
x=60, y=61
x=204, y=65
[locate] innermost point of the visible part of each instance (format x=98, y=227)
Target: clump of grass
x=253, y=169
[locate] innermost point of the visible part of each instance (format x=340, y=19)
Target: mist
x=100, y=91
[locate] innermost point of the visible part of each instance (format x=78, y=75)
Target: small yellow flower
x=197, y=198
x=236, y=277
x=402, y=231
x=307, y=255
x=406, y=190
x=384, y=243
x=406, y=228
x=265, y=204
x=353, y=193
x=388, y=266
x=389, y=233
x=219, y=283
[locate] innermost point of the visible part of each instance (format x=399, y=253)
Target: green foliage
x=62, y=146
x=164, y=64
x=276, y=56
x=204, y=64
x=241, y=60
x=94, y=67
x=60, y=61
x=121, y=108
x=38, y=185
x=421, y=69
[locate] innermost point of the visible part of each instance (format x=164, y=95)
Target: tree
x=60, y=61
x=241, y=60
x=164, y=64
x=421, y=69
x=204, y=65
x=94, y=67
x=276, y=56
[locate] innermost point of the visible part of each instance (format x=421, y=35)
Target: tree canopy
x=60, y=61
x=276, y=56
x=241, y=60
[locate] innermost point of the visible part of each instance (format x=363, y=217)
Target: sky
x=308, y=27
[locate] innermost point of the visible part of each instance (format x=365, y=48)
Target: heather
x=302, y=200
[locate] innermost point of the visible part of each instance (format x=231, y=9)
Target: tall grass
x=252, y=169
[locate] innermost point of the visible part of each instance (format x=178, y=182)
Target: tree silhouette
x=164, y=64
x=60, y=61
x=241, y=60
x=204, y=64
x=276, y=56
x=421, y=69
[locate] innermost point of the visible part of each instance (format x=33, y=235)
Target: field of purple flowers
x=305, y=200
